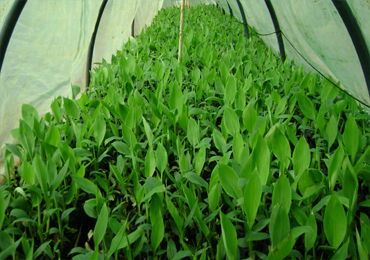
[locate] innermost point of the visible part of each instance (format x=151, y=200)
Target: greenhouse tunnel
x=48, y=46
x=50, y=49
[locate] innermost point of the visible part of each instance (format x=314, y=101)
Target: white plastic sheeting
x=49, y=45
x=114, y=30
x=48, y=50
x=5, y=6
x=317, y=31
x=47, y=53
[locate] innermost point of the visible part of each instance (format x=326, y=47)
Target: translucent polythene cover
x=48, y=50
x=318, y=32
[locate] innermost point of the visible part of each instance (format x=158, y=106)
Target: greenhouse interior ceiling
x=54, y=50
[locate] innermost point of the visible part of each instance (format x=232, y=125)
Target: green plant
x=230, y=153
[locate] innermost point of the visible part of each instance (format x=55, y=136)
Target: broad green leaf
x=130, y=238
x=256, y=236
x=306, y=106
x=190, y=215
x=350, y=184
x=85, y=184
x=299, y=214
x=196, y=179
x=218, y=139
x=101, y=226
x=149, y=163
x=342, y=252
x=28, y=173
x=175, y=101
x=14, y=150
x=335, y=165
x=298, y=231
x=320, y=120
x=193, y=132
x=161, y=158
x=174, y=213
x=323, y=202
x=214, y=193
x=238, y=146
x=41, y=174
x=118, y=176
x=252, y=197
x=99, y=129
x=282, y=194
x=301, y=158
x=335, y=222
x=261, y=158
x=178, y=75
x=340, y=106
x=214, y=197
x=362, y=251
x=331, y=131
x=328, y=91
x=281, y=147
x=192, y=202
x=230, y=91
x=283, y=249
x=240, y=100
x=157, y=189
x=128, y=137
x=10, y=249
x=61, y=176
x=249, y=117
x=229, y=181
x=29, y=113
x=148, y=133
x=182, y=254
x=231, y=121
x=310, y=238
x=195, y=74
x=156, y=221
x=305, y=81
x=66, y=213
x=122, y=147
x=229, y=237
x=279, y=226
x=55, y=108
x=281, y=107
x=350, y=138
x=71, y=108
x=52, y=136
x=200, y=158
x=150, y=184
x=27, y=137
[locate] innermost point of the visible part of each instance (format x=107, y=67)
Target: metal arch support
x=277, y=29
x=230, y=10
x=357, y=37
x=92, y=42
x=8, y=28
x=244, y=18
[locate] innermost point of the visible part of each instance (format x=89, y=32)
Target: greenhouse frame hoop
x=357, y=37
x=92, y=42
x=9, y=25
x=275, y=21
x=244, y=18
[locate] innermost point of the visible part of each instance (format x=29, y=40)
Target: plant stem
x=39, y=229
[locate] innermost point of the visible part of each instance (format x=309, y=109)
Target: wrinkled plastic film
x=114, y=30
x=46, y=54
